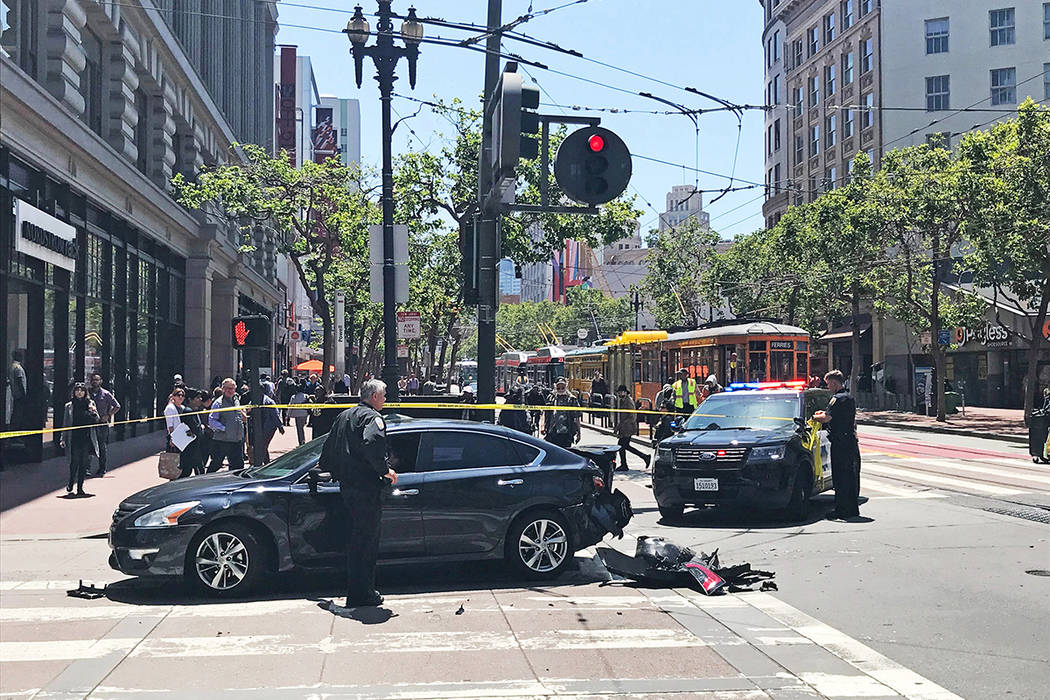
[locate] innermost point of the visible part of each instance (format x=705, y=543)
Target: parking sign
x=408, y=325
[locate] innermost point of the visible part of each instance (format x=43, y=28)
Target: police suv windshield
x=288, y=462
x=738, y=410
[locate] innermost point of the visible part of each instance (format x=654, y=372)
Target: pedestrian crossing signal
x=251, y=332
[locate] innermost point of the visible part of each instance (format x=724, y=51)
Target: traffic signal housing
x=468, y=260
x=251, y=332
x=593, y=165
x=514, y=126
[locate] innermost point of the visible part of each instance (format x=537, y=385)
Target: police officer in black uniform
x=840, y=421
x=355, y=452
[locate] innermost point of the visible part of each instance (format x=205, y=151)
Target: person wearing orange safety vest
x=685, y=397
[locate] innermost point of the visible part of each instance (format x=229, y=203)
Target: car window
x=526, y=453
x=735, y=410
x=403, y=452
x=464, y=449
x=289, y=461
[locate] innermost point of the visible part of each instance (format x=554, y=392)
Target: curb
x=1019, y=439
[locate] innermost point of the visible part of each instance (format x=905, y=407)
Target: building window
x=938, y=93
x=829, y=81
x=776, y=46
x=813, y=43
x=800, y=149
x=814, y=140
x=1046, y=81
x=847, y=14
x=1001, y=26
x=867, y=50
x=869, y=111
x=829, y=28
x=865, y=7
x=847, y=68
x=797, y=48
x=1004, y=86
x=19, y=32
x=142, y=132
x=776, y=135
x=798, y=101
x=937, y=35
x=776, y=90
x=831, y=134
x=769, y=53
x=830, y=179
x=847, y=123
x=776, y=178
x=769, y=140
x=91, y=80
x=813, y=188
x=814, y=91
x=1046, y=20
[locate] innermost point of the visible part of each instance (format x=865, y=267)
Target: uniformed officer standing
x=840, y=419
x=355, y=452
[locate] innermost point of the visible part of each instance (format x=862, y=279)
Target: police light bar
x=753, y=386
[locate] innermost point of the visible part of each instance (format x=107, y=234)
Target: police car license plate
x=705, y=484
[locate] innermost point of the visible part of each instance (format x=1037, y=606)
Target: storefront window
x=93, y=335
x=144, y=377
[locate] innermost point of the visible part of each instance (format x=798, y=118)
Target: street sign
x=582, y=334
x=408, y=325
x=294, y=335
x=944, y=337
x=251, y=332
x=402, y=351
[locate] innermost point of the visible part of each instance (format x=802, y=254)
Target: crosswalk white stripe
x=868, y=484
x=964, y=466
x=957, y=484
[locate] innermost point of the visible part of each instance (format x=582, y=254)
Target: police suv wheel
x=539, y=545
x=225, y=560
x=671, y=514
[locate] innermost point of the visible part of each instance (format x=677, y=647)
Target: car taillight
x=599, y=483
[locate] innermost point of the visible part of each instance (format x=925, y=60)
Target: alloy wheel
x=543, y=545
x=221, y=561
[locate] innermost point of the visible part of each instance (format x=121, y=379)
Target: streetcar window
x=801, y=365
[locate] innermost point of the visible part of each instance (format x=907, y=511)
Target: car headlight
x=765, y=454
x=663, y=454
x=166, y=516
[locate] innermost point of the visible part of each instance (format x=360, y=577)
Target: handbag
x=168, y=466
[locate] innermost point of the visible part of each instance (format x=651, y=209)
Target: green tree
x=320, y=213
x=1009, y=236
x=674, y=284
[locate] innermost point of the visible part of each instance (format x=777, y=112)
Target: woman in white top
x=299, y=414
x=171, y=413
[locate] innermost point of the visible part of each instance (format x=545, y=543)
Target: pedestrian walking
x=562, y=428
x=685, y=395
x=82, y=443
x=413, y=384
x=711, y=387
x=191, y=461
x=286, y=388
x=321, y=418
x=599, y=386
x=107, y=406
x=299, y=415
x=840, y=420
x=271, y=421
x=665, y=394
x=227, y=442
x=355, y=452
x=171, y=413
x=468, y=397
x=626, y=427
x=515, y=419
x=430, y=386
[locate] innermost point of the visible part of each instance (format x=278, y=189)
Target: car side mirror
x=316, y=476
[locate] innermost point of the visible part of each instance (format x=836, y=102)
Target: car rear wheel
x=539, y=545
x=671, y=514
x=798, y=507
x=225, y=560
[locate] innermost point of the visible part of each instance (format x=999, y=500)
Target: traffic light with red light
x=251, y=332
x=593, y=165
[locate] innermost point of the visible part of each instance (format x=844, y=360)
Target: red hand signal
x=240, y=332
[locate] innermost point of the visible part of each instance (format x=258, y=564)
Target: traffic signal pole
x=488, y=223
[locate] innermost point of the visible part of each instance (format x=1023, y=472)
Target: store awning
x=313, y=366
x=842, y=333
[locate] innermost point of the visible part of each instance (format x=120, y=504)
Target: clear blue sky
x=712, y=45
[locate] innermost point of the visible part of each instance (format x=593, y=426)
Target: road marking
x=956, y=484
x=892, y=491
x=887, y=672
x=975, y=469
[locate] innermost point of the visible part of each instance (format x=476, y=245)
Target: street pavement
x=929, y=599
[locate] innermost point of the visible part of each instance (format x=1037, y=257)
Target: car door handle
x=510, y=482
x=405, y=492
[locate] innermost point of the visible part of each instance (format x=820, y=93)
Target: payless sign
x=42, y=236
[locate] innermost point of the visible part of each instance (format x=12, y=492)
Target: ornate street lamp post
x=385, y=55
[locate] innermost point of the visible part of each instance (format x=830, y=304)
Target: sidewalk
x=995, y=423
x=33, y=503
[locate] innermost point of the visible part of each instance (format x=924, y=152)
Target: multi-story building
x=846, y=76
x=684, y=203
x=100, y=268
x=345, y=119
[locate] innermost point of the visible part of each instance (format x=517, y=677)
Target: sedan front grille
x=126, y=509
x=720, y=457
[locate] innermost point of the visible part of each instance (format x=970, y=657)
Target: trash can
x=1038, y=426
x=952, y=401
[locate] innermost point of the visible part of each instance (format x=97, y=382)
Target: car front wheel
x=225, y=560
x=539, y=545
x=671, y=514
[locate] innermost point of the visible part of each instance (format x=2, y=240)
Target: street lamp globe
x=357, y=28
x=412, y=28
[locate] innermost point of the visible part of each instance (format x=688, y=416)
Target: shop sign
x=990, y=335
x=42, y=236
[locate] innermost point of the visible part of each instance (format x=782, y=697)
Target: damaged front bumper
x=603, y=514
x=150, y=551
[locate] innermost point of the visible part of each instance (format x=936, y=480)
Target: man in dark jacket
x=355, y=453
x=840, y=421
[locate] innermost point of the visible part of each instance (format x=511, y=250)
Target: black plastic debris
x=461, y=610
x=660, y=563
x=612, y=511
x=88, y=592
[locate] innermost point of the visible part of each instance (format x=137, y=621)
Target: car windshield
x=731, y=411
x=288, y=462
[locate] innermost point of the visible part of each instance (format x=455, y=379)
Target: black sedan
x=465, y=491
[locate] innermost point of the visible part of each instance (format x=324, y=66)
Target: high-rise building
x=846, y=76
x=684, y=203
x=345, y=119
x=100, y=268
